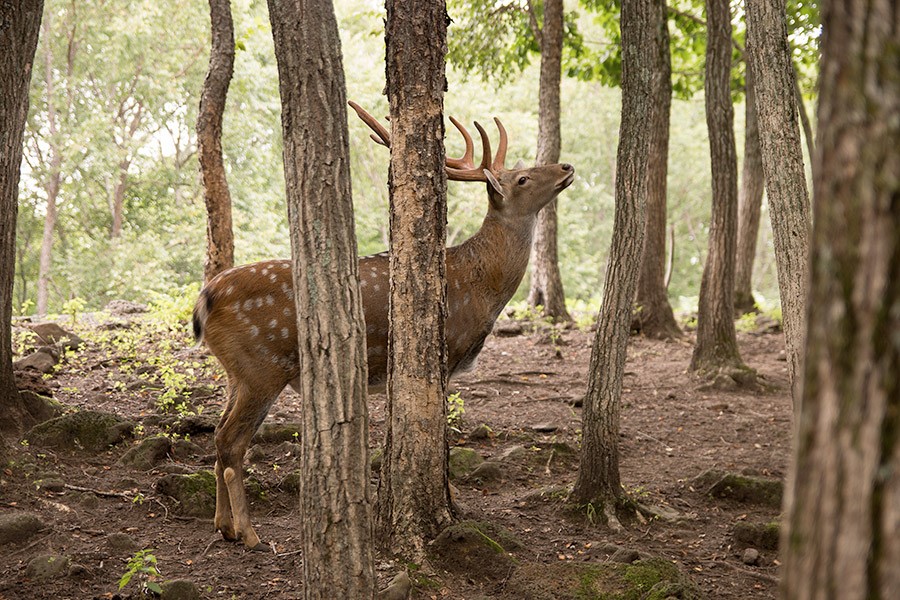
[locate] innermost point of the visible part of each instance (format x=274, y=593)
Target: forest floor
x=95, y=512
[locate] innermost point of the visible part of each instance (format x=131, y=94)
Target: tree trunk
x=219, y=235
x=598, y=481
x=414, y=494
x=843, y=502
x=716, y=350
x=782, y=154
x=335, y=498
x=51, y=186
x=20, y=23
x=118, y=200
x=749, y=203
x=654, y=314
x=546, y=282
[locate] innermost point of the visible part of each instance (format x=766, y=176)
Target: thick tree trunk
x=546, y=288
x=598, y=480
x=414, y=493
x=219, y=235
x=716, y=350
x=749, y=203
x=782, y=155
x=653, y=315
x=843, y=502
x=20, y=23
x=335, y=498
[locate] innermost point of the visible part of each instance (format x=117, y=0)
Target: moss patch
x=195, y=493
x=651, y=579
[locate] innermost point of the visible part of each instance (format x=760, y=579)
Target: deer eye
x=522, y=180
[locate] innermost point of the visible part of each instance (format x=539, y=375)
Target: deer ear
x=493, y=182
x=519, y=165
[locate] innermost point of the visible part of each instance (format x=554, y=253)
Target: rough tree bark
x=546, y=287
x=716, y=353
x=653, y=315
x=843, y=502
x=20, y=23
x=219, y=234
x=782, y=154
x=335, y=499
x=598, y=480
x=414, y=493
x=749, y=203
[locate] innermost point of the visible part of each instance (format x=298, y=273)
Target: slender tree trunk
x=546, y=287
x=598, y=480
x=335, y=498
x=219, y=235
x=118, y=200
x=843, y=502
x=782, y=155
x=52, y=185
x=654, y=314
x=414, y=493
x=20, y=23
x=749, y=203
x=716, y=351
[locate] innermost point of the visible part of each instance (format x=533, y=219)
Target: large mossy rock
x=740, y=488
x=149, y=453
x=87, y=430
x=651, y=579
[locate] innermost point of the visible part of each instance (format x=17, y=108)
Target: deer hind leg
x=243, y=414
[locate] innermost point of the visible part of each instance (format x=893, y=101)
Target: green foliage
x=455, y=410
x=142, y=564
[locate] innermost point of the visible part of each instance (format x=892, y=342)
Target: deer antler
x=458, y=169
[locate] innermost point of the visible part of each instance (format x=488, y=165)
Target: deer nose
x=566, y=167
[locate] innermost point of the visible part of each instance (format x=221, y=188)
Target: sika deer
x=246, y=315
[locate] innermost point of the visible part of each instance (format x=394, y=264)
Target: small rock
x=51, y=485
x=17, y=527
x=149, y=453
x=179, y=589
x=398, y=589
x=43, y=360
x=52, y=334
x=545, y=427
x=125, y=307
x=463, y=461
x=77, y=570
x=482, y=432
x=511, y=453
x=507, y=329
x=487, y=472
x=256, y=454
x=46, y=567
x=479, y=394
x=122, y=543
x=183, y=449
x=624, y=555
x=750, y=557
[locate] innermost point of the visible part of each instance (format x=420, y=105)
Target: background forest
x=111, y=201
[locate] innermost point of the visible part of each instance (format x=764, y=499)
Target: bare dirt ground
x=526, y=389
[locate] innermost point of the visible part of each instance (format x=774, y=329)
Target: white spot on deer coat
x=270, y=300
x=273, y=324
x=284, y=332
x=254, y=330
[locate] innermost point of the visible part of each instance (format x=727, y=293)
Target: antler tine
x=466, y=161
x=383, y=135
x=500, y=159
x=473, y=173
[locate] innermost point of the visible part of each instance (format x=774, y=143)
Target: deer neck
x=500, y=252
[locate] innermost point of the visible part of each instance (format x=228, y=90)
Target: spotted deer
x=246, y=315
